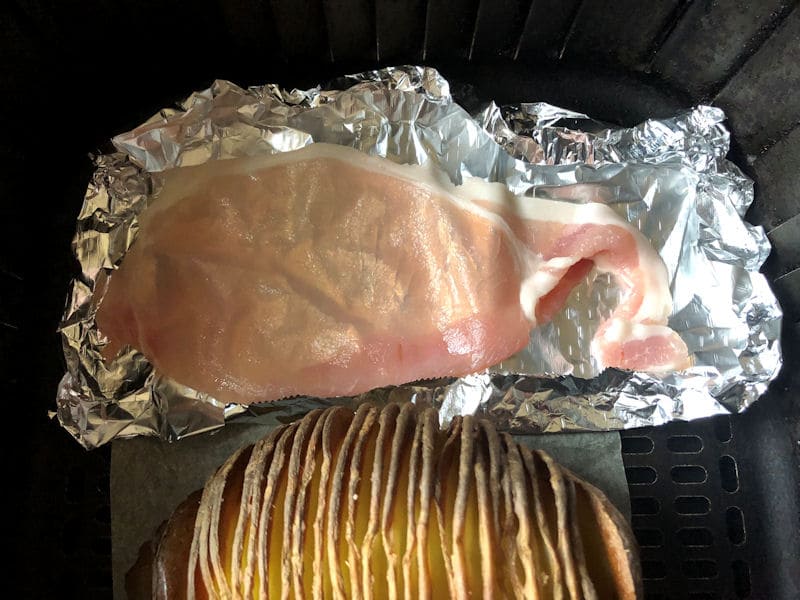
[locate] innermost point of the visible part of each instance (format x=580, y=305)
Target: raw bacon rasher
x=327, y=272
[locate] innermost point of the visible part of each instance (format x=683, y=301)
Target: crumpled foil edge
x=97, y=402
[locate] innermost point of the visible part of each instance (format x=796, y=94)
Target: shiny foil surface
x=668, y=177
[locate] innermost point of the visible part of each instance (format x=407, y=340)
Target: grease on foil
x=669, y=177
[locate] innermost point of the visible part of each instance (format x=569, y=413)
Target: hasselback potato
x=382, y=503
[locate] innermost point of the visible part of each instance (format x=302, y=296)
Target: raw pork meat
x=326, y=272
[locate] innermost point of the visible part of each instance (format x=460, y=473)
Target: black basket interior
x=715, y=502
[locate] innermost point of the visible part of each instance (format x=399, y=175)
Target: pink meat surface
x=325, y=272
x=570, y=241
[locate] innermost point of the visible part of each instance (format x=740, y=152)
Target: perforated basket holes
x=686, y=511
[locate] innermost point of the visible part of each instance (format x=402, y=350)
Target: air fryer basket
x=715, y=502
